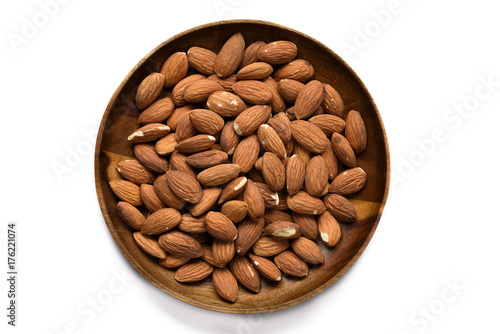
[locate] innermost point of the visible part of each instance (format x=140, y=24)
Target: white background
x=424, y=62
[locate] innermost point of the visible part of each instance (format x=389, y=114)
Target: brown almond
x=207, y=201
x=254, y=71
x=220, y=227
x=302, y=152
x=150, y=198
x=185, y=128
x=134, y=171
x=328, y=123
x=253, y=91
x=289, y=89
x=291, y=264
x=130, y=215
x=225, y=284
x=219, y=174
x=265, y=267
x=271, y=198
x=178, y=161
x=235, y=210
x=192, y=224
x=249, y=120
x=207, y=159
x=173, y=261
x=179, y=243
x=200, y=90
x=180, y=88
x=281, y=129
x=229, y=139
x=298, y=69
x=208, y=256
x=193, y=271
x=166, y=194
x=355, y=131
x=283, y=230
x=127, y=191
x=246, y=153
x=309, y=99
x=278, y=52
x=254, y=200
x=226, y=104
x=331, y=162
x=306, y=204
x=233, y=189
x=149, y=245
x=309, y=136
x=184, y=186
x=175, y=68
x=272, y=216
x=149, y=132
x=223, y=251
x=161, y=221
x=157, y=112
x=270, y=141
x=250, y=54
x=166, y=145
x=307, y=250
x=245, y=273
x=149, y=89
x=179, y=113
x=307, y=223
x=343, y=150
x=226, y=83
x=195, y=144
x=230, y=56
x=316, y=179
x=348, y=182
x=329, y=229
x=340, y=208
x=249, y=232
x=332, y=103
x=202, y=60
x=273, y=171
x=267, y=245
x=276, y=102
x=206, y=121
x=295, y=174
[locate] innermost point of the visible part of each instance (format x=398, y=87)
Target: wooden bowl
x=120, y=119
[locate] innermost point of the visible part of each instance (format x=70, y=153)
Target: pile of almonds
x=234, y=161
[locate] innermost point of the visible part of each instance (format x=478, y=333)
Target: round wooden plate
x=120, y=119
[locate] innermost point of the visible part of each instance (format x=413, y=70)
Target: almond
x=331, y=162
x=249, y=232
x=130, y=215
x=134, y=171
x=332, y=103
x=289, y=89
x=295, y=174
x=202, y=60
x=254, y=201
x=127, y=191
x=306, y=204
x=166, y=194
x=329, y=229
x=355, y=131
x=180, y=88
x=298, y=69
x=226, y=83
x=149, y=245
x=208, y=256
x=316, y=179
x=255, y=175
x=161, y=221
x=273, y=171
x=283, y=230
x=184, y=186
x=276, y=102
x=207, y=201
x=343, y=150
x=233, y=189
x=229, y=139
x=272, y=216
x=225, y=284
x=179, y=243
x=149, y=132
x=207, y=159
x=309, y=99
x=176, y=116
x=157, y=112
x=150, y=198
x=271, y=198
x=166, y=145
x=281, y=129
x=307, y=250
x=246, y=153
x=278, y=52
x=302, y=152
x=230, y=56
x=291, y=264
x=265, y=267
x=193, y=271
x=191, y=224
x=185, y=128
x=290, y=113
x=206, y=121
x=253, y=91
x=220, y=227
x=267, y=245
x=173, y=261
x=349, y=182
x=175, y=68
x=309, y=136
x=200, y=90
x=249, y=120
x=328, y=123
x=223, y=251
x=195, y=144
x=178, y=162
x=340, y=208
x=245, y=273
x=254, y=71
x=234, y=210
x=250, y=54
x=270, y=141
x=226, y=104
x=308, y=225
x=149, y=89
x=219, y=174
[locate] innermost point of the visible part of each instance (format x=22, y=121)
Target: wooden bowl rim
x=172, y=292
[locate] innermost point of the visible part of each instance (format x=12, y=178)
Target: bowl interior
x=120, y=119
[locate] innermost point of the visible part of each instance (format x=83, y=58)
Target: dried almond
x=176, y=116
x=180, y=88
x=226, y=104
x=166, y=194
x=223, y=251
x=332, y=103
x=329, y=229
x=331, y=162
x=348, y=182
x=289, y=89
x=179, y=243
x=309, y=99
x=278, y=52
x=265, y=267
x=178, y=161
x=340, y=208
x=134, y=171
x=130, y=215
x=307, y=223
x=157, y=112
x=127, y=191
x=208, y=256
x=328, y=123
x=295, y=174
x=173, y=261
x=184, y=186
x=149, y=132
x=270, y=141
x=234, y=210
x=225, y=284
x=291, y=264
x=219, y=226
x=206, y=121
x=149, y=245
x=254, y=71
x=191, y=224
x=298, y=69
x=230, y=56
x=207, y=201
x=250, y=54
x=355, y=131
x=246, y=153
x=272, y=216
x=307, y=250
x=309, y=136
x=149, y=89
x=175, y=68
x=283, y=230
x=207, y=159
x=195, y=144
x=254, y=200
x=219, y=174
x=249, y=120
x=202, y=60
x=306, y=204
x=273, y=171
x=150, y=198
x=185, y=128
x=193, y=271
x=271, y=198
x=200, y=90
x=233, y=189
x=343, y=150
x=226, y=83
x=161, y=221
x=276, y=102
x=249, y=232
x=281, y=129
x=166, y=145
x=229, y=139
x=245, y=273
x=253, y=91
x=267, y=245
x=316, y=179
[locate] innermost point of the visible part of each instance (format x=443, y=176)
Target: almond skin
x=329, y=229
x=184, y=186
x=309, y=136
x=192, y=224
x=233, y=189
x=254, y=200
x=267, y=245
x=149, y=132
x=220, y=227
x=200, y=90
x=307, y=223
x=298, y=69
x=149, y=89
x=166, y=145
x=180, y=88
x=161, y=221
x=175, y=68
x=278, y=52
x=271, y=198
x=253, y=91
x=127, y=191
x=202, y=60
x=328, y=123
x=223, y=251
x=177, y=115
x=226, y=83
x=206, y=121
x=270, y=141
x=207, y=159
x=225, y=284
x=249, y=232
x=332, y=103
x=250, y=54
x=305, y=204
x=343, y=150
x=283, y=230
x=166, y=194
x=273, y=171
x=226, y=104
x=179, y=243
x=265, y=267
x=307, y=250
x=289, y=89
x=272, y=216
x=150, y=198
x=295, y=174
x=134, y=171
x=229, y=139
x=185, y=128
x=355, y=131
x=230, y=56
x=309, y=99
x=208, y=256
x=193, y=271
x=246, y=153
x=149, y=245
x=236, y=211
x=254, y=71
x=130, y=215
x=276, y=102
x=291, y=264
x=173, y=261
x=219, y=174
x=249, y=120
x=178, y=162
x=245, y=273
x=207, y=201
x=157, y=112
x=348, y=182
x=340, y=208
x=281, y=129
x=195, y=144
x=331, y=162
x=316, y=179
